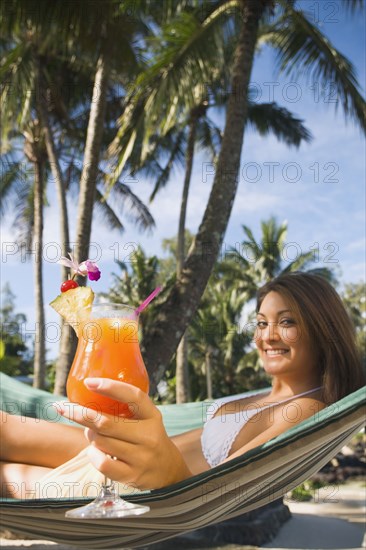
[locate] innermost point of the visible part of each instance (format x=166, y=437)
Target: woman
x=306, y=343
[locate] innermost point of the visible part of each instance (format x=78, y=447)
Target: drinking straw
x=149, y=299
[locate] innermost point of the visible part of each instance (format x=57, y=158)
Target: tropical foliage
x=146, y=83
x=354, y=298
x=15, y=355
x=222, y=359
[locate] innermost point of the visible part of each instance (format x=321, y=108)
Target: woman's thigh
x=20, y=480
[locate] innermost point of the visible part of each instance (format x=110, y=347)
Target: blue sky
x=318, y=189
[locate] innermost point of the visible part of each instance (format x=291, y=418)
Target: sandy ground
x=335, y=519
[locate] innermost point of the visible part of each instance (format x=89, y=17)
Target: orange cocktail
x=108, y=347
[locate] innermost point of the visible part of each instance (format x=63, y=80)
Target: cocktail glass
x=108, y=347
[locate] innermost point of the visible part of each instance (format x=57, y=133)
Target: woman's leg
x=38, y=442
x=19, y=480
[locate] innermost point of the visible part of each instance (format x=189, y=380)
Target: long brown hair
x=323, y=317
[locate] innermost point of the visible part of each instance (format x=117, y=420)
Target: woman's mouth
x=274, y=352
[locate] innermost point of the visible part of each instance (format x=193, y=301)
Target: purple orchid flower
x=87, y=268
x=92, y=270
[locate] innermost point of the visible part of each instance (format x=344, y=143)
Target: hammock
x=250, y=481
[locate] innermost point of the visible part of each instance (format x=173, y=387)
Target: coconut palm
x=194, y=129
x=198, y=127
x=256, y=262
x=217, y=345
x=33, y=60
x=27, y=182
x=134, y=284
x=353, y=296
x=31, y=65
x=297, y=43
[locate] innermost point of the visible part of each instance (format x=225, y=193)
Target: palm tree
x=115, y=31
x=39, y=64
x=257, y=262
x=30, y=195
x=353, y=297
x=195, y=127
x=134, y=284
x=34, y=75
x=296, y=41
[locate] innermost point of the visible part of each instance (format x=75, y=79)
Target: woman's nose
x=271, y=332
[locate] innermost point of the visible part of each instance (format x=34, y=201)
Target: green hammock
x=250, y=481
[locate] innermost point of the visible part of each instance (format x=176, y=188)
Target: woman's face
x=283, y=348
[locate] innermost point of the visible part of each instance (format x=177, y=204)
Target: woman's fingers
x=103, y=423
x=122, y=450
x=139, y=402
x=113, y=469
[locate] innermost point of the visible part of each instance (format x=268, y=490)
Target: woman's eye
x=261, y=324
x=287, y=322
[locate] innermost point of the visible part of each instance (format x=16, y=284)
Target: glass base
x=108, y=505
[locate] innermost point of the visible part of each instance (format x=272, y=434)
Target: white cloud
x=358, y=245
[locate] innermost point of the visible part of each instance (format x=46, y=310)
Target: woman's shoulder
x=301, y=408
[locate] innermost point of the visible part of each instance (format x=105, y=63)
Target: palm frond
x=125, y=201
x=303, y=49
x=269, y=117
x=17, y=77
x=10, y=181
x=131, y=128
x=301, y=262
x=248, y=232
x=353, y=6
x=176, y=156
x=107, y=213
x=169, y=84
x=209, y=136
x=135, y=210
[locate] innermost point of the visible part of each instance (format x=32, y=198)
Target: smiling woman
x=283, y=347
x=307, y=345
x=315, y=332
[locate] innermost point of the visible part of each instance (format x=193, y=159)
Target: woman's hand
x=143, y=455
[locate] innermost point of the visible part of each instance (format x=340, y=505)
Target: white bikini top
x=220, y=431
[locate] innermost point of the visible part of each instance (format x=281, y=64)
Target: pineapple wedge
x=74, y=305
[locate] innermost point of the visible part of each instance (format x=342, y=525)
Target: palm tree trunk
x=57, y=175
x=68, y=340
x=85, y=209
x=39, y=343
x=208, y=367
x=89, y=173
x=182, y=302
x=182, y=382
x=183, y=393
x=229, y=373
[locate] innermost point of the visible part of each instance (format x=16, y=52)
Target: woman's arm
x=307, y=408
x=189, y=445
x=33, y=441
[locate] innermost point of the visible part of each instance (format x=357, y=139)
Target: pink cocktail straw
x=149, y=299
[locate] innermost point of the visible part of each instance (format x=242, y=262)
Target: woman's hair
x=322, y=315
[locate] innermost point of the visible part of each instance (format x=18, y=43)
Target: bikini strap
x=292, y=397
x=308, y=391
